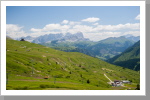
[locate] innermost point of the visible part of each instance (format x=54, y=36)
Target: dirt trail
x=108, y=78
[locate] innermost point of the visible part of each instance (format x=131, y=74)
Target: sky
x=95, y=22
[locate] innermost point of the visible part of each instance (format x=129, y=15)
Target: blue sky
x=95, y=22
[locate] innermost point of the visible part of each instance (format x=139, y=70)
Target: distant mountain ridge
x=60, y=38
x=133, y=38
x=73, y=37
x=47, y=38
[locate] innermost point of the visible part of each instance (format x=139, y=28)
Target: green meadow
x=32, y=66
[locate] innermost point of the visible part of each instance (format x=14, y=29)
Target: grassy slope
x=28, y=64
x=108, y=48
x=130, y=58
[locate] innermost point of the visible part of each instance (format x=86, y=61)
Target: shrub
x=70, y=72
x=88, y=81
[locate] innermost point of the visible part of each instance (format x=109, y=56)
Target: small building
x=126, y=81
x=116, y=83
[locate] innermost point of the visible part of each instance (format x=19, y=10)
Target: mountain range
x=60, y=38
x=104, y=49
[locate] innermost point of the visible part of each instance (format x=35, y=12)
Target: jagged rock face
x=73, y=37
x=60, y=38
x=47, y=38
x=79, y=35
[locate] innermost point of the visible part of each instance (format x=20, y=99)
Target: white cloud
x=96, y=24
x=102, y=28
x=117, y=27
x=74, y=23
x=91, y=19
x=35, y=30
x=83, y=28
x=65, y=22
x=14, y=31
x=137, y=17
x=50, y=27
x=12, y=27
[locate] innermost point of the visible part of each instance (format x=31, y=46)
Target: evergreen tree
x=88, y=81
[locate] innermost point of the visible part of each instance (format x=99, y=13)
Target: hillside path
x=108, y=78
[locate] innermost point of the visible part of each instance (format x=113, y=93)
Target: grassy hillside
x=130, y=58
x=35, y=67
x=110, y=47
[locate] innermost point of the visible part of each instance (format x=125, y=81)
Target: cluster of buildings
x=120, y=83
x=117, y=82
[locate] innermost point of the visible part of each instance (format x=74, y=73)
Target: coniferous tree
x=88, y=81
